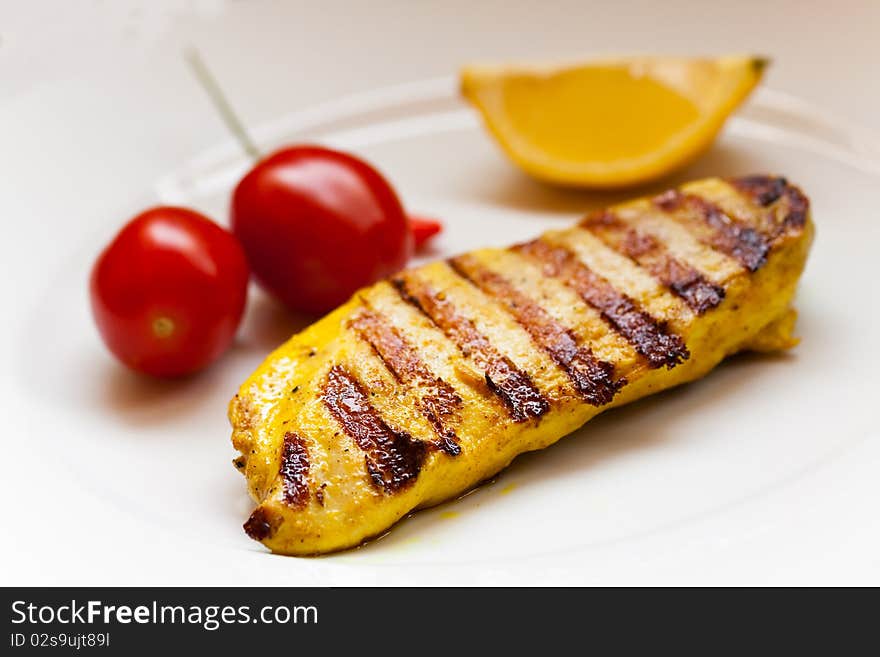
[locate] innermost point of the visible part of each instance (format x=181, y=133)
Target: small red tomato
x=169, y=291
x=423, y=229
x=318, y=224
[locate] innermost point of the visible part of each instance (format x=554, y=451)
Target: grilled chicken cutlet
x=422, y=386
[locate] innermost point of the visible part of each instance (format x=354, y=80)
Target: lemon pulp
x=610, y=124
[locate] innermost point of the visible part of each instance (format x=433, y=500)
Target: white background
x=96, y=106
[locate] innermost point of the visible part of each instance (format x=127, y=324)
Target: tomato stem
x=423, y=229
x=221, y=102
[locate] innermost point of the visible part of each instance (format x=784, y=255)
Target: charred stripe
x=798, y=208
x=649, y=253
x=767, y=190
x=294, y=470
x=733, y=238
x=393, y=458
x=439, y=402
x=648, y=336
x=593, y=378
x=512, y=386
x=259, y=526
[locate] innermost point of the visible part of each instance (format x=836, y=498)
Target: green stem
x=221, y=103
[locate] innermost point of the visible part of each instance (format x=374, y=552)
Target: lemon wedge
x=610, y=124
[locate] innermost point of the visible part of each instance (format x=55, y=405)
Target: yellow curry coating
x=422, y=386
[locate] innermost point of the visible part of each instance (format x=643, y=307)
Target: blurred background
x=81, y=68
x=107, y=81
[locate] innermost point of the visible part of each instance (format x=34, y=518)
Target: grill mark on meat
x=393, y=458
x=716, y=229
x=648, y=336
x=798, y=208
x=767, y=190
x=512, y=386
x=438, y=401
x=593, y=378
x=294, y=470
x=258, y=526
x=648, y=252
x=764, y=190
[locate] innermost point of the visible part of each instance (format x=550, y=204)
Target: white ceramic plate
x=760, y=473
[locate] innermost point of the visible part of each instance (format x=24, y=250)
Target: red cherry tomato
x=318, y=224
x=169, y=291
x=423, y=229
